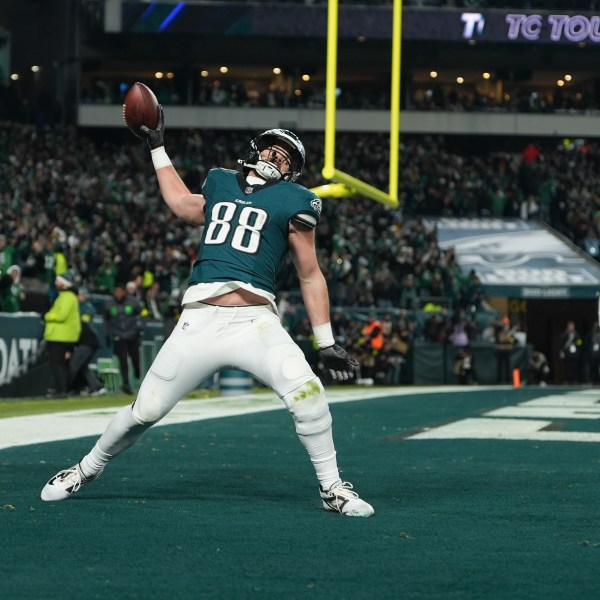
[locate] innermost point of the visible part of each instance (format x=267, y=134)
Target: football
x=140, y=107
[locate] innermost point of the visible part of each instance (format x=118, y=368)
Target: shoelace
x=70, y=476
x=343, y=490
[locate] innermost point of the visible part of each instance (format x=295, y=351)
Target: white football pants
x=210, y=338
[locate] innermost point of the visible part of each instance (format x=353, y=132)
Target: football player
x=251, y=219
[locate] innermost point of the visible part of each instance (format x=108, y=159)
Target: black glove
x=340, y=364
x=154, y=137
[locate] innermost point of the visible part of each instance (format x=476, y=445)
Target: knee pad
x=147, y=409
x=309, y=408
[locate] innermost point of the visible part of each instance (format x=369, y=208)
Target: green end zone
x=229, y=508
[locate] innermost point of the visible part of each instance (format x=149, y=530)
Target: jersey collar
x=250, y=189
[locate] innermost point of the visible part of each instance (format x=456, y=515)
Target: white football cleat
x=341, y=498
x=65, y=483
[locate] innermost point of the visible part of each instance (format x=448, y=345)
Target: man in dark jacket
x=570, y=346
x=123, y=322
x=79, y=371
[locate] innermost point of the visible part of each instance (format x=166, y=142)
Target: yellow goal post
x=345, y=185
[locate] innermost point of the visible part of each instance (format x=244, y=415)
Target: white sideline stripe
x=545, y=412
x=236, y=381
x=504, y=429
x=567, y=401
x=483, y=428
x=37, y=429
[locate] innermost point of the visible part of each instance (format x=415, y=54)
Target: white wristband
x=324, y=335
x=160, y=158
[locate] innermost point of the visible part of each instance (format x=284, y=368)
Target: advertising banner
x=372, y=22
x=502, y=26
x=519, y=259
x=22, y=370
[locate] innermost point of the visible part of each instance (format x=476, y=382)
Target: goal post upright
x=330, y=88
x=356, y=186
x=395, y=100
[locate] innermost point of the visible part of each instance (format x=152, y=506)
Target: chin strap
x=265, y=169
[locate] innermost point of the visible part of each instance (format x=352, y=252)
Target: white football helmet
x=267, y=169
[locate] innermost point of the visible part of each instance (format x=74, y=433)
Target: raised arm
x=184, y=204
x=187, y=206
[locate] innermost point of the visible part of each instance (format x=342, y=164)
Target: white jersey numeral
x=246, y=234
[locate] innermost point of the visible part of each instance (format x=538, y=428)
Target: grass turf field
x=228, y=508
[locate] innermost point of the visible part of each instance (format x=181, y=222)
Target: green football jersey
x=245, y=236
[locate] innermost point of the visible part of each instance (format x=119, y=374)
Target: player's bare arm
x=187, y=206
x=184, y=204
x=312, y=282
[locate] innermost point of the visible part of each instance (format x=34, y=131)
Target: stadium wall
x=310, y=119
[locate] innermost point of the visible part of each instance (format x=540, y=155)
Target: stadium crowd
x=88, y=200
x=578, y=98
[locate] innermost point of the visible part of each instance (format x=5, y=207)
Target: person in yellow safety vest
x=62, y=329
x=373, y=333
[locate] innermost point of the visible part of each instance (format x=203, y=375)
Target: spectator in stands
x=62, y=330
x=385, y=289
x=409, y=298
x=436, y=327
x=488, y=334
x=122, y=314
x=475, y=295
x=538, y=369
x=388, y=325
x=463, y=330
x=396, y=357
x=504, y=344
x=106, y=276
x=570, y=347
x=464, y=366
x=7, y=254
x=39, y=262
x=153, y=306
x=56, y=261
x=387, y=366
x=133, y=290
x=11, y=290
x=372, y=334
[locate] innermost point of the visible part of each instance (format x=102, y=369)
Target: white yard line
x=36, y=429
